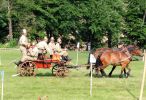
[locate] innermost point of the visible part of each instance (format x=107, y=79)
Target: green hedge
x=11, y=44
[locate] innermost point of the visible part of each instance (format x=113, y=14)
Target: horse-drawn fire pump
x=59, y=67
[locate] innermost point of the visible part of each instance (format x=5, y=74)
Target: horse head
x=134, y=50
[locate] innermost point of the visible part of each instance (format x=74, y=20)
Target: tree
x=10, y=35
x=136, y=27
x=102, y=18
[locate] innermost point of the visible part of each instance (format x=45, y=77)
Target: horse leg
x=97, y=71
x=110, y=74
x=129, y=70
x=121, y=75
x=103, y=72
x=125, y=74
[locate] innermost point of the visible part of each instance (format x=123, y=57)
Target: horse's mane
x=131, y=47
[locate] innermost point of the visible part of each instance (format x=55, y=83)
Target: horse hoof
x=120, y=76
x=109, y=75
x=128, y=74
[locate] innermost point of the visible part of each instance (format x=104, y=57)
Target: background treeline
x=86, y=20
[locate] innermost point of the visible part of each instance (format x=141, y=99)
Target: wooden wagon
x=59, y=67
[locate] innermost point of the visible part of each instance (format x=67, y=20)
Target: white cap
x=52, y=38
x=24, y=31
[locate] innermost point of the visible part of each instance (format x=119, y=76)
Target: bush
x=11, y=44
x=136, y=58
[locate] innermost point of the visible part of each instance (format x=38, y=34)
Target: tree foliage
x=87, y=20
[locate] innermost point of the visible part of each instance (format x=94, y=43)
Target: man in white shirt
x=33, y=50
x=43, y=47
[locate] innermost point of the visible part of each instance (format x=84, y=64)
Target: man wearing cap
x=52, y=44
x=23, y=42
x=24, y=45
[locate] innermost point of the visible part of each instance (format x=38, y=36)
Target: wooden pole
x=0, y=61
x=143, y=56
x=78, y=46
x=77, y=57
x=2, y=91
x=91, y=79
x=92, y=60
x=143, y=78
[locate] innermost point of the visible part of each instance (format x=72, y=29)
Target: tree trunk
x=10, y=35
x=109, y=39
x=144, y=16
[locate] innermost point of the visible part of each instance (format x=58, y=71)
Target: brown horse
x=130, y=50
x=116, y=58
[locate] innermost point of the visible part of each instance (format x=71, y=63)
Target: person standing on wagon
x=23, y=42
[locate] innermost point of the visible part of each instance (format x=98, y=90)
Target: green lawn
x=73, y=87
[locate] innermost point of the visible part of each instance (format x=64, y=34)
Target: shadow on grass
x=99, y=76
x=47, y=74
x=96, y=76
x=117, y=76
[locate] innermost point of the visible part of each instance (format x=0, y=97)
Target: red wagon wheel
x=54, y=69
x=60, y=71
x=27, y=68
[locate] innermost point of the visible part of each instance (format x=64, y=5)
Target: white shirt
x=33, y=51
x=58, y=47
x=52, y=46
x=23, y=40
x=43, y=46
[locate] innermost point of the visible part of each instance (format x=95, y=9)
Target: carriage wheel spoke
x=27, y=68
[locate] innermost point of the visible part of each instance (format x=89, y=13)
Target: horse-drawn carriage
x=59, y=67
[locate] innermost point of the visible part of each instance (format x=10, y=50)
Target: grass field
x=73, y=87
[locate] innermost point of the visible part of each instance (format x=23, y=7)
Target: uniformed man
x=24, y=45
x=23, y=42
x=62, y=52
x=43, y=48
